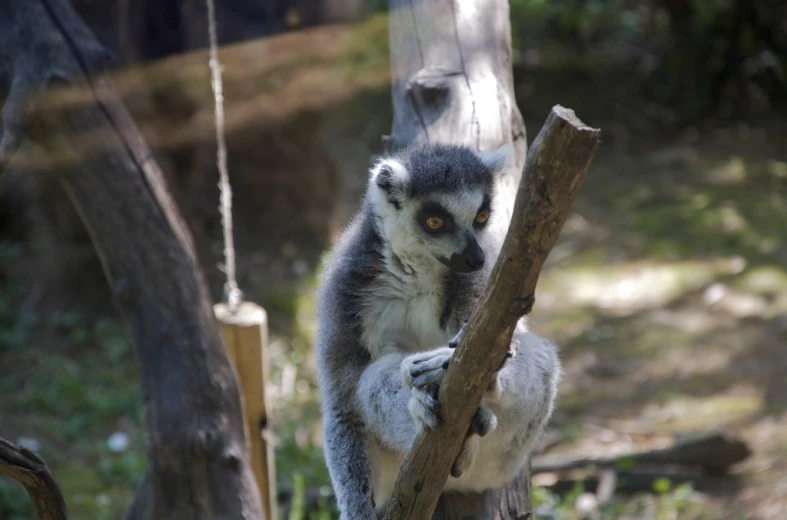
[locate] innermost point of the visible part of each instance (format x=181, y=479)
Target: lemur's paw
x=484, y=422
x=466, y=458
x=425, y=408
x=455, y=342
x=426, y=368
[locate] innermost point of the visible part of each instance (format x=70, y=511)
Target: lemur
x=392, y=301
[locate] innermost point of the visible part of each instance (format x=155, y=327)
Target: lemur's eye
x=482, y=216
x=434, y=223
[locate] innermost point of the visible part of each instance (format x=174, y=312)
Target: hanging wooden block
x=245, y=334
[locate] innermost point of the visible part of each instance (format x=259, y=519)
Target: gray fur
x=387, y=309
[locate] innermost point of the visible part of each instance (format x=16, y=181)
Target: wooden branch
x=452, y=81
x=554, y=169
x=28, y=469
x=197, y=453
x=713, y=451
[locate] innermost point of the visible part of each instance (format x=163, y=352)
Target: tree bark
x=197, y=451
x=29, y=470
x=452, y=79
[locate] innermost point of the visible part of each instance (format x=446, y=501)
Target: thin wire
x=231, y=291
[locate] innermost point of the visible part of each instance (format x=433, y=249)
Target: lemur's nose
x=473, y=255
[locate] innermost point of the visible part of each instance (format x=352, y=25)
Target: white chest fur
x=403, y=313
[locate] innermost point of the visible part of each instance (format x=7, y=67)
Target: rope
x=231, y=292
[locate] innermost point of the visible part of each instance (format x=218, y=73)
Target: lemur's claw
x=455, y=342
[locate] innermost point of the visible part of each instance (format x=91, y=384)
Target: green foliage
x=76, y=396
x=368, y=49
x=701, y=56
x=297, y=507
x=14, y=501
x=668, y=503
x=662, y=485
x=564, y=21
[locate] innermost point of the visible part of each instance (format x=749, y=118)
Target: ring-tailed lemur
x=399, y=286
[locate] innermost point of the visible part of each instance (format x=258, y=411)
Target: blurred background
x=667, y=291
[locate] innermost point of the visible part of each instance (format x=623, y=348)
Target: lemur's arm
x=384, y=399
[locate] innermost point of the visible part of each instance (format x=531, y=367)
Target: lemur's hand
x=423, y=373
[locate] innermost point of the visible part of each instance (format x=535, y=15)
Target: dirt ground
x=667, y=292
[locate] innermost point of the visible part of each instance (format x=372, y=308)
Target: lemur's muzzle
x=470, y=259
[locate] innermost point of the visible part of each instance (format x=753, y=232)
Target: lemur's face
x=434, y=203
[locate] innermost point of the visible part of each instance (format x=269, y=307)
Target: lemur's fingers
x=425, y=379
x=455, y=342
x=423, y=369
x=432, y=363
x=466, y=458
x=425, y=409
x=484, y=422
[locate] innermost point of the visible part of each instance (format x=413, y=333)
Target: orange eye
x=482, y=216
x=434, y=223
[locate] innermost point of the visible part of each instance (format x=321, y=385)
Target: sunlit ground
x=667, y=293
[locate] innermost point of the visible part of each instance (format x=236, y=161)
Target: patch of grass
x=14, y=501
x=70, y=395
x=665, y=503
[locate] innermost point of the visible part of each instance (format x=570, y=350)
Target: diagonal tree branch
x=28, y=469
x=553, y=173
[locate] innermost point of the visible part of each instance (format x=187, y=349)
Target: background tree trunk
x=197, y=453
x=452, y=81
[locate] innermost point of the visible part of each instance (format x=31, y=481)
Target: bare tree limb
x=31, y=471
x=713, y=451
x=553, y=173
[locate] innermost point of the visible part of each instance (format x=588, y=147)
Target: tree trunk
x=197, y=452
x=452, y=81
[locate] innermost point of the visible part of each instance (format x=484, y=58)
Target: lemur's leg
x=524, y=388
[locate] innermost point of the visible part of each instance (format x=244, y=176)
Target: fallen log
x=713, y=451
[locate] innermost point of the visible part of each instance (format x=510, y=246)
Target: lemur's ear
x=384, y=177
x=498, y=160
x=390, y=176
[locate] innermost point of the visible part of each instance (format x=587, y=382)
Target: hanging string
x=231, y=292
